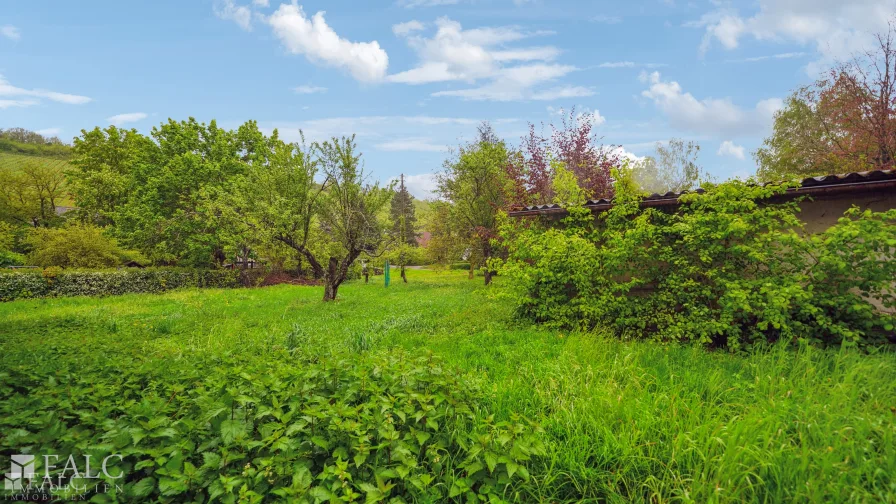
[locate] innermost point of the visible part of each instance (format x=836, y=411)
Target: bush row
x=55, y=282
x=727, y=268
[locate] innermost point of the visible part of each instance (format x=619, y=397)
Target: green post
x=386, y=272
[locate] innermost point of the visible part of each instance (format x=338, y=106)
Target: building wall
x=823, y=211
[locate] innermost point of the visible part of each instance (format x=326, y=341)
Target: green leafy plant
x=226, y=428
x=727, y=268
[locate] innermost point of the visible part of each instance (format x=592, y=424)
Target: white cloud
x=10, y=32
x=239, y=14
x=5, y=104
x=7, y=90
x=623, y=153
x=49, y=132
x=561, y=92
x=729, y=148
x=789, y=55
x=710, y=115
x=512, y=73
x=379, y=127
x=309, y=89
x=312, y=37
x=603, y=18
x=630, y=64
x=120, y=119
x=261, y=3
x=836, y=28
x=422, y=186
x=402, y=29
x=418, y=144
x=517, y=83
x=426, y=3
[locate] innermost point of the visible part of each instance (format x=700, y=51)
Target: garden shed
x=827, y=197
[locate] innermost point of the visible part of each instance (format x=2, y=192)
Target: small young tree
x=404, y=225
x=673, y=168
x=475, y=182
x=328, y=223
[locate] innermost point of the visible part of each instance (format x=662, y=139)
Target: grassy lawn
x=621, y=421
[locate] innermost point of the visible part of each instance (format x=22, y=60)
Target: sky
x=412, y=78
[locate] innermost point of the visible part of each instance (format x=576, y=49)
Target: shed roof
x=854, y=182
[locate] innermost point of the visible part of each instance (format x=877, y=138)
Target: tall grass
x=624, y=421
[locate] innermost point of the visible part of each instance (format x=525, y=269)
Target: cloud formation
x=118, y=120
x=481, y=54
x=229, y=11
x=10, y=32
x=708, y=116
x=729, y=148
x=319, y=43
x=28, y=97
x=836, y=28
x=309, y=89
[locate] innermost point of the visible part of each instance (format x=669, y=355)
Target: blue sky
x=412, y=77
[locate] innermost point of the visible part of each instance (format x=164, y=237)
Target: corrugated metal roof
x=840, y=183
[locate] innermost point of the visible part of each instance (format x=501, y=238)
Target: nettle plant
x=379, y=427
x=728, y=267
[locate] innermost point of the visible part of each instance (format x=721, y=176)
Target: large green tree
x=844, y=122
x=157, y=192
x=105, y=163
x=475, y=182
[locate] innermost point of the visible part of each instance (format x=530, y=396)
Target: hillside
x=13, y=163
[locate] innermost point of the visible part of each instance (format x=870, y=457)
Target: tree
x=404, y=225
x=673, y=168
x=575, y=144
x=476, y=185
x=445, y=242
x=328, y=223
x=843, y=122
x=30, y=192
x=105, y=166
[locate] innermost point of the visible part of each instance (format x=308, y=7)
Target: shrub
x=58, y=282
x=73, y=246
x=382, y=427
x=727, y=268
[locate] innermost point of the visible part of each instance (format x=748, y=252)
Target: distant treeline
x=22, y=141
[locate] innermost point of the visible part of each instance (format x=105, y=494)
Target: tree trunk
x=331, y=280
x=486, y=255
x=403, y=276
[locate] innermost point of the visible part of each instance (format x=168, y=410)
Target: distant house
x=829, y=197
x=61, y=210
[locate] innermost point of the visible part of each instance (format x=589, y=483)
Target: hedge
x=55, y=282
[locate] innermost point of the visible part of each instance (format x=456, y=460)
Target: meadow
x=611, y=420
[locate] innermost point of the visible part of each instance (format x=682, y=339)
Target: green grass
x=623, y=420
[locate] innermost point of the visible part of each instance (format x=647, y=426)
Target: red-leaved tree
x=573, y=143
